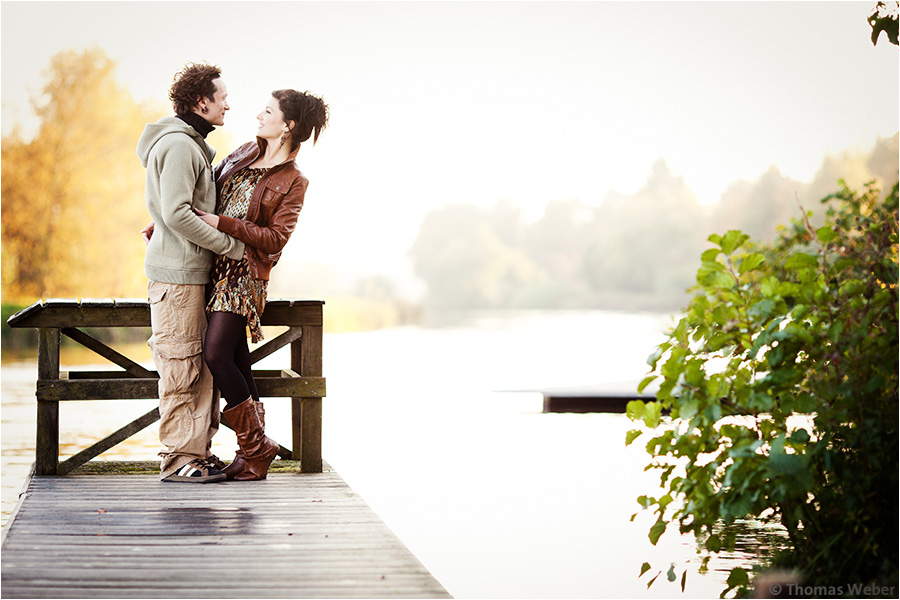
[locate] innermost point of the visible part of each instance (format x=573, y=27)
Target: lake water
x=432, y=427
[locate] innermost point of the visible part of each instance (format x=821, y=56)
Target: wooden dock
x=294, y=535
x=600, y=398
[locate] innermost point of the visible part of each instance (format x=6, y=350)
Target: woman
x=260, y=193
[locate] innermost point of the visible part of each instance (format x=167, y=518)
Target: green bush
x=779, y=386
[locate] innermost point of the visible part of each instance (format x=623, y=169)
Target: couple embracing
x=215, y=236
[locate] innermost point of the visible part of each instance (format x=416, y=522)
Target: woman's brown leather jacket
x=273, y=211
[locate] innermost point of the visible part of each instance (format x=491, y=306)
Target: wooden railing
x=302, y=382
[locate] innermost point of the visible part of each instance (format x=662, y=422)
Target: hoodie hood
x=153, y=132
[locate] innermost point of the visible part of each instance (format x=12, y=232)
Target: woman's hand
x=147, y=232
x=208, y=218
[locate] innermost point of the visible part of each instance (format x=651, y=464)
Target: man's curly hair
x=193, y=82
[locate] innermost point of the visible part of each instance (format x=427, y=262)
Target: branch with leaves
x=777, y=400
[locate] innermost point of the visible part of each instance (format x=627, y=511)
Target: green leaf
x=688, y=408
x=644, y=568
x=762, y=310
x=852, y=287
x=654, y=358
x=786, y=464
x=631, y=435
x=664, y=502
x=652, y=414
x=635, y=409
x=670, y=574
x=657, y=530
x=826, y=234
x=645, y=382
x=751, y=262
x=801, y=260
x=716, y=279
x=738, y=576
x=842, y=264
x=683, y=580
x=800, y=436
x=733, y=240
x=835, y=331
x=710, y=255
x=769, y=286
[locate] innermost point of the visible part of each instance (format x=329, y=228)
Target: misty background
x=536, y=155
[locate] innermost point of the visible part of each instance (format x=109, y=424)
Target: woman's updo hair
x=308, y=112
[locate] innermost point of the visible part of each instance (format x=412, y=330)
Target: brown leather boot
x=237, y=465
x=259, y=451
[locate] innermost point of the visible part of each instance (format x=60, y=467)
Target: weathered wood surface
x=131, y=536
x=600, y=398
x=306, y=359
x=599, y=402
x=132, y=312
x=117, y=437
x=133, y=388
x=302, y=382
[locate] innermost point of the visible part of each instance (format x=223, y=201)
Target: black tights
x=228, y=357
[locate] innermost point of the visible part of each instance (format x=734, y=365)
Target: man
x=180, y=252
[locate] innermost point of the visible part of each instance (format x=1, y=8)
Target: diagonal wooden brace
x=119, y=436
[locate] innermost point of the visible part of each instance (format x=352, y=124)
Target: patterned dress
x=234, y=290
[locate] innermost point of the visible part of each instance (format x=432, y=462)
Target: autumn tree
x=73, y=196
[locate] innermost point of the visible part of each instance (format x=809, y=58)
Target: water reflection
x=202, y=520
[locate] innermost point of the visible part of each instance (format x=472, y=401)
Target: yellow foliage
x=73, y=197
x=347, y=313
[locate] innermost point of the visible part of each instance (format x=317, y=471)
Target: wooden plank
x=47, y=437
x=311, y=407
x=106, y=352
x=303, y=383
x=72, y=313
x=108, y=442
x=257, y=373
x=295, y=313
x=311, y=434
x=286, y=387
x=133, y=388
x=61, y=313
x=306, y=411
x=290, y=536
x=126, y=388
x=100, y=375
x=589, y=403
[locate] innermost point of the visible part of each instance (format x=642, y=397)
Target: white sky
x=441, y=102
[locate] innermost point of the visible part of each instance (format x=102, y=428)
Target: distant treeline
x=628, y=252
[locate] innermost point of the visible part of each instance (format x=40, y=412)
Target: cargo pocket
x=179, y=365
x=161, y=318
x=156, y=294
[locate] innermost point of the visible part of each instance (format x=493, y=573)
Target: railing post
x=58, y=317
x=47, y=439
x=306, y=413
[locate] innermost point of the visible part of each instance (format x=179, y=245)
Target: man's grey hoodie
x=180, y=179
